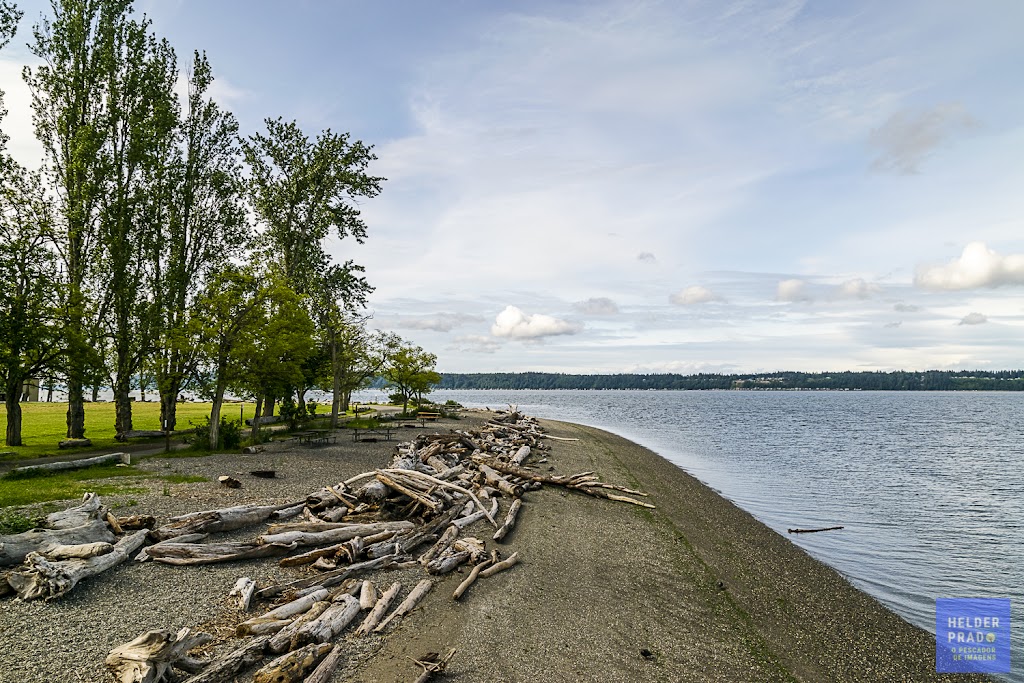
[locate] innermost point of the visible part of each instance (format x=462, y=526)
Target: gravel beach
x=696, y=590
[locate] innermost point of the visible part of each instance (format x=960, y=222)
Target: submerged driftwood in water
x=813, y=531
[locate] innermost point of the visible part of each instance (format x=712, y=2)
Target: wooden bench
x=424, y=417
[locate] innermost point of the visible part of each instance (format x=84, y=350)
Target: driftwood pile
x=412, y=513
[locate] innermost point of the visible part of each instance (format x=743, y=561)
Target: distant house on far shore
x=29, y=392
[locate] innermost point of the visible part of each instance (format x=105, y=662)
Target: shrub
x=229, y=437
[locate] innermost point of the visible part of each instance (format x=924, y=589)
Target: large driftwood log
x=329, y=624
x=184, y=554
x=292, y=667
x=521, y=455
x=81, y=551
x=463, y=522
x=443, y=543
x=225, y=669
x=494, y=478
x=148, y=658
x=367, y=596
x=49, y=580
x=226, y=519
x=512, y=560
x=340, y=534
x=112, y=459
x=87, y=511
x=14, y=548
x=448, y=562
x=377, y=613
x=407, y=605
x=510, y=520
x=143, y=555
x=282, y=640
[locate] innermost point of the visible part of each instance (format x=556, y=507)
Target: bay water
x=928, y=485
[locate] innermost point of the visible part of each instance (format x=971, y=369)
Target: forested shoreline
x=931, y=380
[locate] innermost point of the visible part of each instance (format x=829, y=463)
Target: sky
x=703, y=186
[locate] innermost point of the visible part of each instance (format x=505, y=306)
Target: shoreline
x=696, y=590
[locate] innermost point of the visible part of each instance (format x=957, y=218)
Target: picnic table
x=316, y=437
x=371, y=432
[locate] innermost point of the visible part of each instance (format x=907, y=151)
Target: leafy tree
x=29, y=295
x=233, y=303
x=69, y=102
x=198, y=201
x=410, y=369
x=301, y=190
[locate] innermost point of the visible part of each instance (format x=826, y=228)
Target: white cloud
x=439, y=322
x=597, y=306
x=695, y=294
x=893, y=325
x=907, y=138
x=793, y=290
x=974, y=319
x=515, y=324
x=646, y=257
x=857, y=288
x=906, y=308
x=474, y=343
x=978, y=266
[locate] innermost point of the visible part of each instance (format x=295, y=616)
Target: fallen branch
x=407, y=605
x=813, y=531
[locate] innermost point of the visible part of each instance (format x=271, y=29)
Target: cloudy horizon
x=650, y=186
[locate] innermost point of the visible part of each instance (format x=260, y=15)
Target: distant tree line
x=931, y=380
x=157, y=247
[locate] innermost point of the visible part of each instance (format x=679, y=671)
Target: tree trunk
x=76, y=407
x=268, y=406
x=13, y=417
x=169, y=405
x=218, y=401
x=336, y=398
x=346, y=398
x=256, y=419
x=122, y=404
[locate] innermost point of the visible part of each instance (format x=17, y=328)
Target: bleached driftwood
x=323, y=672
x=377, y=613
x=407, y=605
x=367, y=595
x=469, y=580
x=443, y=543
x=510, y=520
x=87, y=511
x=282, y=640
x=211, y=553
x=290, y=609
x=225, y=669
x=521, y=455
x=336, y=535
x=447, y=563
x=15, y=547
x=329, y=624
x=143, y=555
x=293, y=666
x=226, y=519
x=463, y=522
x=81, y=551
x=243, y=590
x=512, y=560
x=48, y=580
x=332, y=578
x=494, y=478
x=148, y=658
x=434, y=666
x=113, y=458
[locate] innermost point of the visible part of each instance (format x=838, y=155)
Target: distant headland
x=929, y=380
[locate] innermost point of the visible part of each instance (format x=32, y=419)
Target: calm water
x=930, y=486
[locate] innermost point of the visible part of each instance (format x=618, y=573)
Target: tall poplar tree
x=69, y=103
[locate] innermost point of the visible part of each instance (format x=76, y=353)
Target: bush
x=229, y=436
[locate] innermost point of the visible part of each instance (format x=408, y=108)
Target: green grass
x=40, y=486
x=43, y=425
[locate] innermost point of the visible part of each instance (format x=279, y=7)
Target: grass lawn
x=39, y=488
x=43, y=425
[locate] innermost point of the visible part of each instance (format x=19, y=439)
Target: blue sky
x=656, y=186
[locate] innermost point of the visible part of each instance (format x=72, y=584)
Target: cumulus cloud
x=857, y=288
x=474, y=343
x=695, y=294
x=974, y=319
x=439, y=322
x=792, y=290
x=515, y=324
x=907, y=138
x=597, y=306
x=978, y=266
x=646, y=257
x=906, y=308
